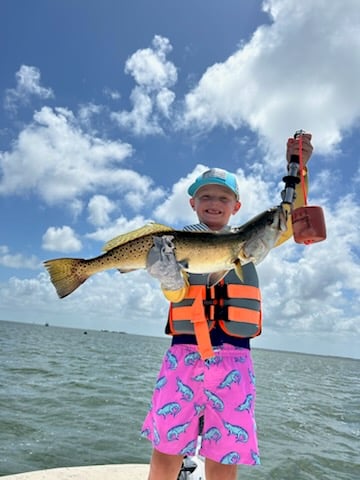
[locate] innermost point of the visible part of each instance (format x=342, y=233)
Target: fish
x=209, y=253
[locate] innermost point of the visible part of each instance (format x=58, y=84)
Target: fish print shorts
x=221, y=389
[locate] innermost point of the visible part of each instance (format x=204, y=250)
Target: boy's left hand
x=162, y=264
x=292, y=147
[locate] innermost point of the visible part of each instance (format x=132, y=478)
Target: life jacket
x=232, y=304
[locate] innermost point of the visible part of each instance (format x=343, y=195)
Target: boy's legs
x=164, y=467
x=228, y=411
x=216, y=471
x=167, y=467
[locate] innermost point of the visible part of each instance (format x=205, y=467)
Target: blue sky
x=109, y=109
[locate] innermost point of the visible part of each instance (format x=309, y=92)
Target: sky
x=108, y=111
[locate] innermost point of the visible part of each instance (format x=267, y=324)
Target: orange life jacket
x=233, y=304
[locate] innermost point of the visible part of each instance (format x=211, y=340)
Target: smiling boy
x=220, y=390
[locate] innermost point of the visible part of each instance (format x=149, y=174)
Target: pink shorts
x=221, y=389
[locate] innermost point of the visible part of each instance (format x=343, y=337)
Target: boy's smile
x=214, y=205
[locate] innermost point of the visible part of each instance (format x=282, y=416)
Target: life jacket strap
x=201, y=326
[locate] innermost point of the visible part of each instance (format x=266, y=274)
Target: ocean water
x=69, y=398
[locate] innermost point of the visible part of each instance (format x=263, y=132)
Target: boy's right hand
x=292, y=148
x=162, y=264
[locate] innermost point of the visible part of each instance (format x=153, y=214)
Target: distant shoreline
x=122, y=332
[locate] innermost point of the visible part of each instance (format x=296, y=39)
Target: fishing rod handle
x=295, y=158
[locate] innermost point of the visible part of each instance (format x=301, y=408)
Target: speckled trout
x=197, y=252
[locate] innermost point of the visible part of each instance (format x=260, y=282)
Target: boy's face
x=214, y=205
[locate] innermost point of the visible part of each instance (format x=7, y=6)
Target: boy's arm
x=292, y=148
x=298, y=202
x=176, y=295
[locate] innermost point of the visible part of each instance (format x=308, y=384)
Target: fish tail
x=66, y=274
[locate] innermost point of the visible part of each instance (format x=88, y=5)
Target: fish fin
x=239, y=270
x=215, y=277
x=183, y=264
x=64, y=274
x=139, y=232
x=126, y=270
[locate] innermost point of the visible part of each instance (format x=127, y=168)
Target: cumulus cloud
x=150, y=68
x=17, y=260
x=140, y=119
x=100, y=207
x=86, y=114
x=112, y=94
x=61, y=239
x=27, y=85
x=164, y=100
x=151, y=97
x=54, y=157
x=297, y=72
x=35, y=299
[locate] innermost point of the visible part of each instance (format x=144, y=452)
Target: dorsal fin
x=139, y=232
x=215, y=277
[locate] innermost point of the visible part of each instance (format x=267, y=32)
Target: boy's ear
x=192, y=203
x=237, y=207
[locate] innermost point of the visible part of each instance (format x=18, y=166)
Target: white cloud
x=151, y=97
x=17, y=260
x=86, y=114
x=27, y=85
x=164, y=100
x=99, y=208
x=61, y=239
x=299, y=72
x=36, y=301
x=113, y=94
x=56, y=159
x=140, y=119
x=75, y=206
x=150, y=68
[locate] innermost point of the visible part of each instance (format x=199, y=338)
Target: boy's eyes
x=204, y=198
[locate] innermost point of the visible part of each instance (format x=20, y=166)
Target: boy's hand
x=162, y=264
x=292, y=148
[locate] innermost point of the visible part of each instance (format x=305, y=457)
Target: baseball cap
x=215, y=176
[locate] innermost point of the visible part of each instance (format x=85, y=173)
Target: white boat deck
x=98, y=472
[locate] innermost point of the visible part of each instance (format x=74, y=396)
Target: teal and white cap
x=215, y=176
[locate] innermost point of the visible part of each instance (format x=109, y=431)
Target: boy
x=221, y=389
